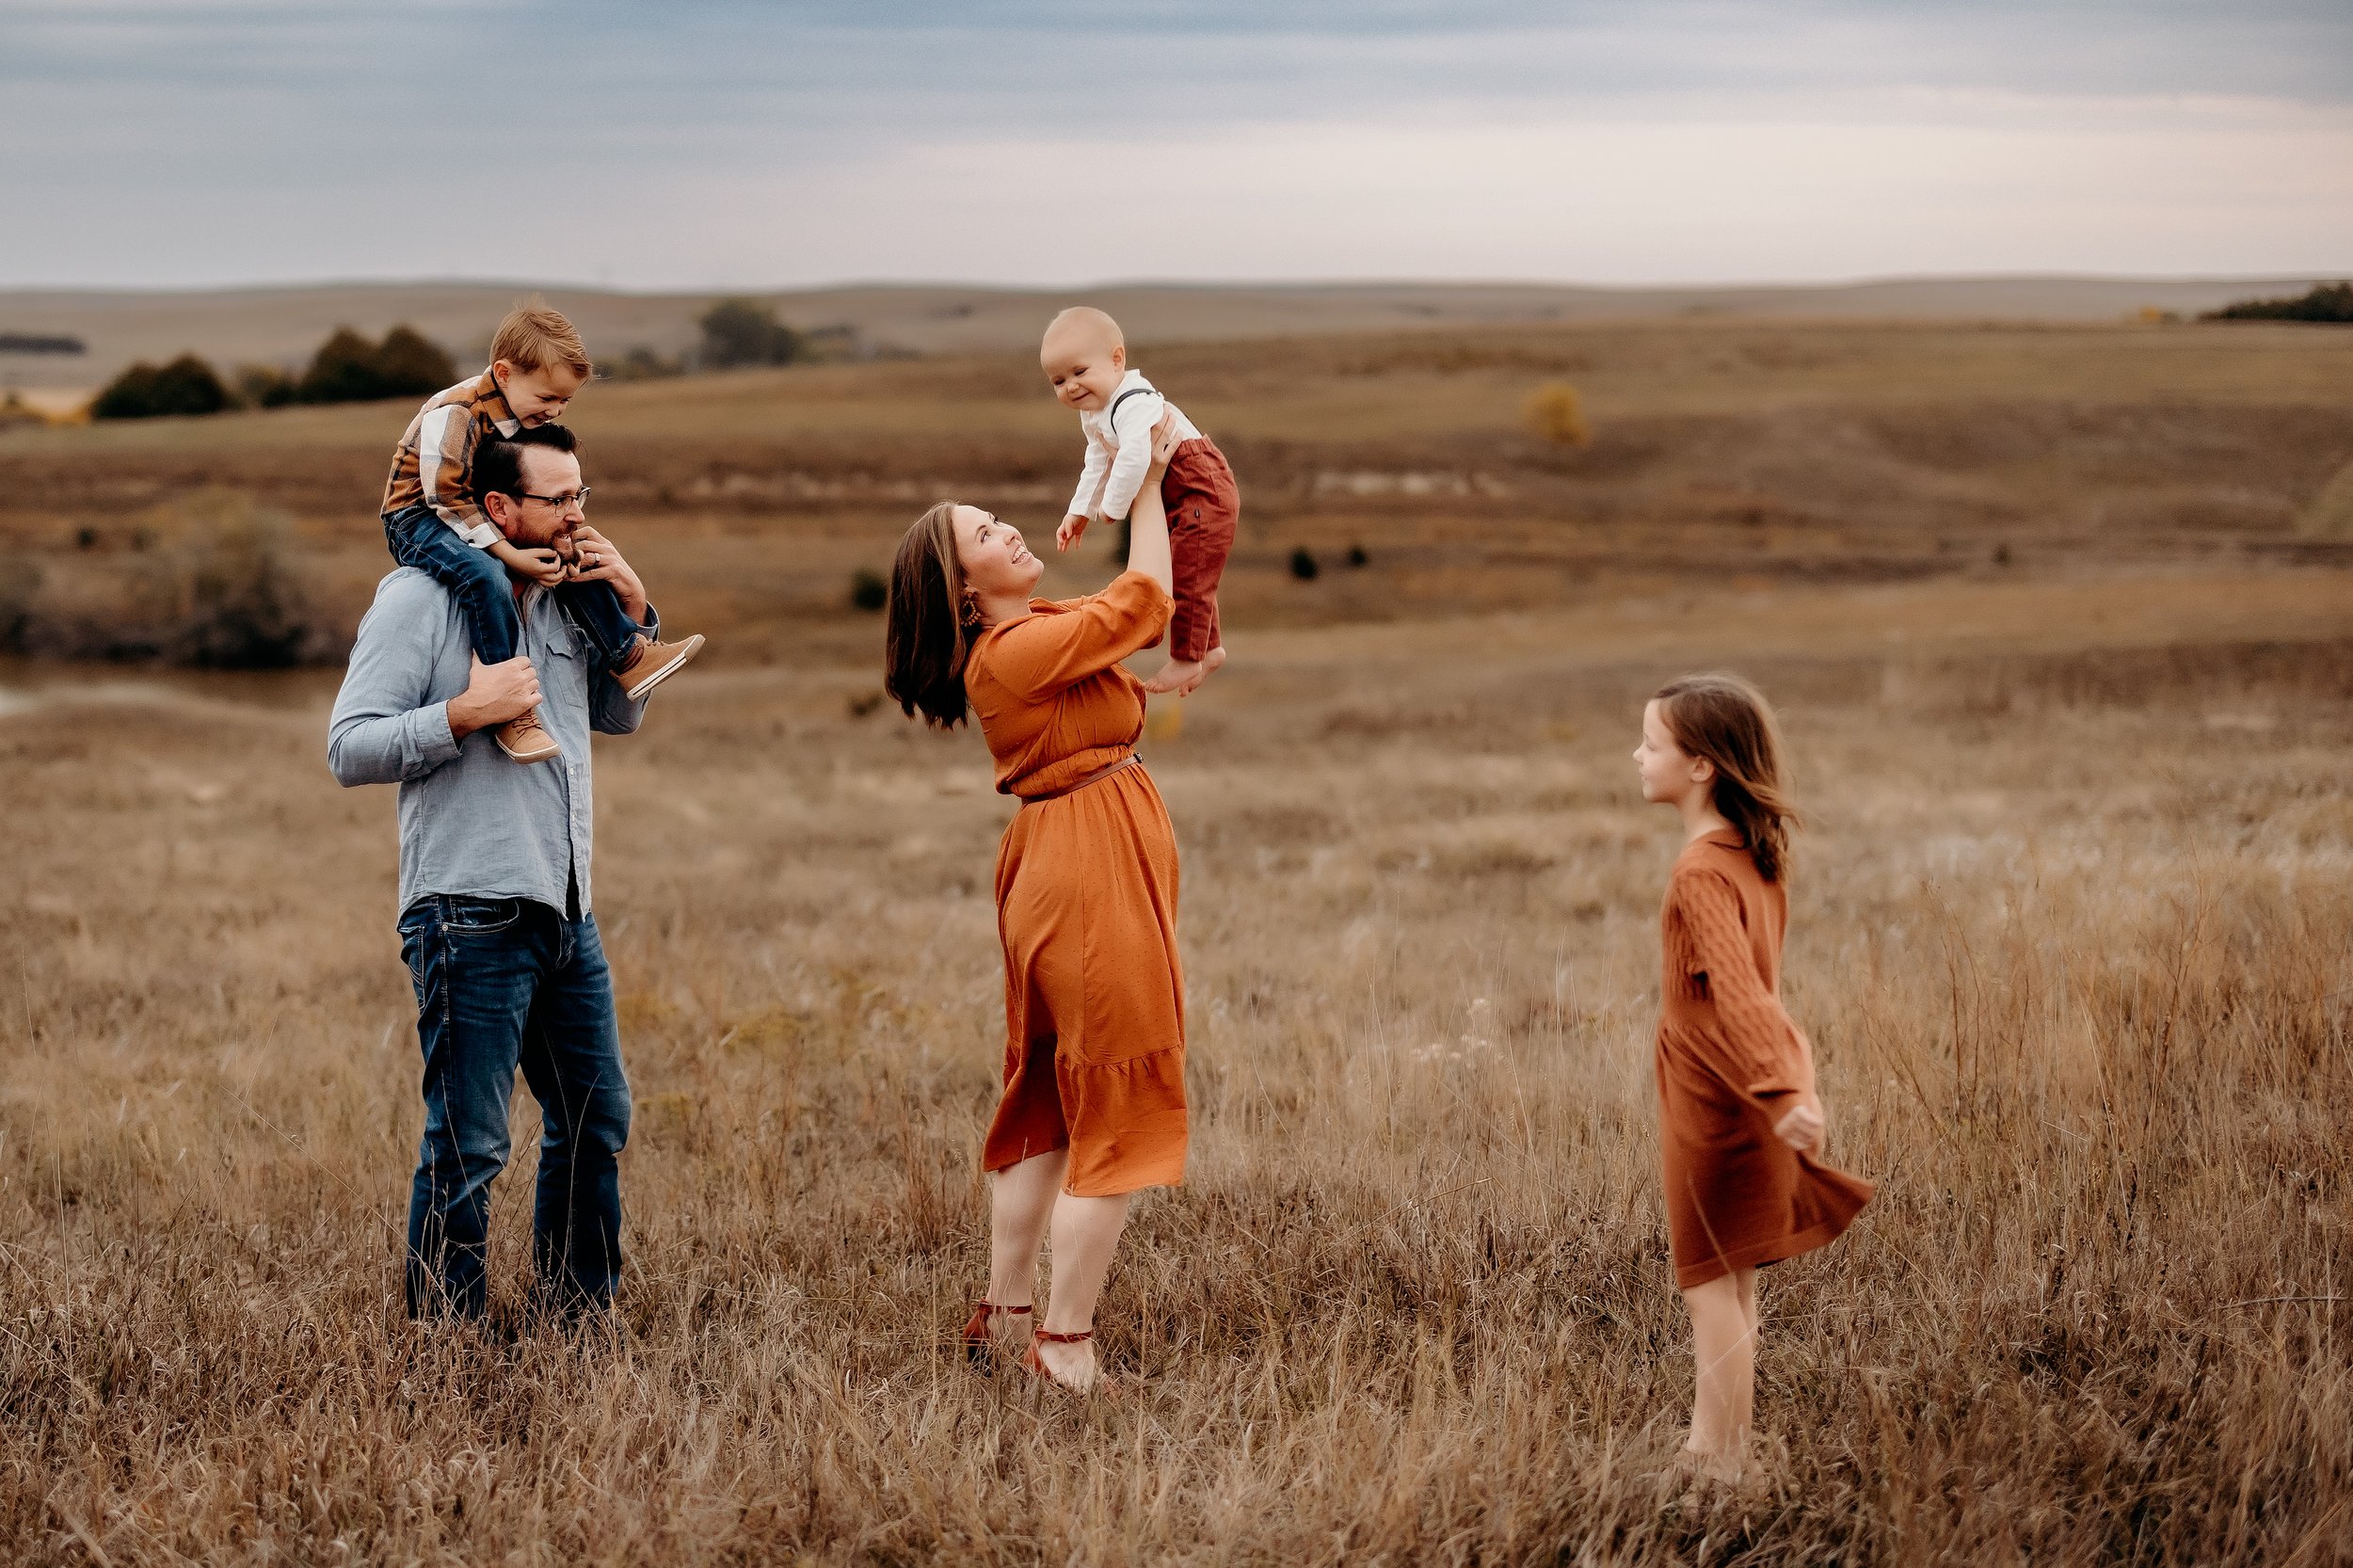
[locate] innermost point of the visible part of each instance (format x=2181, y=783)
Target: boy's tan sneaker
x=650, y=663
x=526, y=739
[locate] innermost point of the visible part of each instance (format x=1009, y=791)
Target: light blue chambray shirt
x=474, y=823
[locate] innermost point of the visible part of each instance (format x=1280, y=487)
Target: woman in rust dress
x=1739, y=1123
x=1094, y=1103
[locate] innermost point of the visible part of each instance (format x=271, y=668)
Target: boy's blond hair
x=534, y=335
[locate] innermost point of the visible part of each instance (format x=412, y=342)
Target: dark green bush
x=1303, y=564
x=412, y=364
x=868, y=591
x=348, y=368
x=639, y=365
x=745, y=332
x=186, y=386
x=2321, y=302
x=264, y=387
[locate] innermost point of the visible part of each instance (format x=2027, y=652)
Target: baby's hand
x=1069, y=533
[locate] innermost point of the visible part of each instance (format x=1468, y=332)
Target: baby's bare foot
x=1184, y=675
x=1178, y=675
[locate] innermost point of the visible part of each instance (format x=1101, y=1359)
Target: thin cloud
x=199, y=141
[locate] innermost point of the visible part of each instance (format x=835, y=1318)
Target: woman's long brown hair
x=1727, y=721
x=926, y=637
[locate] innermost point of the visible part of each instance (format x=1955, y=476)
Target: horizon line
x=1151, y=284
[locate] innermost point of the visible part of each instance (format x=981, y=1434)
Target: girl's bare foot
x=1698, y=1464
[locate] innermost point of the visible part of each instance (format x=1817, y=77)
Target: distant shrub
x=1556, y=414
x=264, y=387
x=348, y=368
x=745, y=332
x=868, y=591
x=186, y=386
x=2321, y=302
x=640, y=364
x=1356, y=556
x=342, y=371
x=242, y=605
x=222, y=590
x=20, y=585
x=1303, y=564
x=412, y=364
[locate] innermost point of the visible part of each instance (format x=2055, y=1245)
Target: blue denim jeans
x=504, y=983
x=418, y=538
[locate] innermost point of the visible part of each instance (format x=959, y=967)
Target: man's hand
x=1069, y=533
x=494, y=695
x=543, y=566
x=1802, y=1126
x=600, y=562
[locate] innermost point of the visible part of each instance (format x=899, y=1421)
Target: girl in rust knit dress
x=1739, y=1124
x=1094, y=1101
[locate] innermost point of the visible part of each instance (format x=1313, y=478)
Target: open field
x=1784, y=454
x=2070, y=699
x=281, y=326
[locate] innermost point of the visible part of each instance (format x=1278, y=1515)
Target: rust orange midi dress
x=1086, y=896
x=1729, y=1062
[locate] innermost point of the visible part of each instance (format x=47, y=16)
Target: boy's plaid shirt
x=434, y=466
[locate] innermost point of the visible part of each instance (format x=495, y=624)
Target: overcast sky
x=738, y=143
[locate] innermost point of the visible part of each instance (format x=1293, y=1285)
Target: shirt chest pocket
x=562, y=668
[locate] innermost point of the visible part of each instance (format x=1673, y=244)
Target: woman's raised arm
x=1148, y=520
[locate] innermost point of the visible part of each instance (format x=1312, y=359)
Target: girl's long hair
x=1727, y=721
x=926, y=637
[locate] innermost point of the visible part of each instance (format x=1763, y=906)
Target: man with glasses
x=496, y=922
x=434, y=518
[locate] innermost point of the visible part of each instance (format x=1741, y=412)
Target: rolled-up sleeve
x=386, y=729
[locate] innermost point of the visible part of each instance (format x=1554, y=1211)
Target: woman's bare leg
x=1086, y=1233
x=1723, y=1346
x=1021, y=1200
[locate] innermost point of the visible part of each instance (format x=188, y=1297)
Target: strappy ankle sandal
x=978, y=1341
x=1035, y=1366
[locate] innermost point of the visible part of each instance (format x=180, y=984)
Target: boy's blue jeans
x=486, y=595
x=504, y=983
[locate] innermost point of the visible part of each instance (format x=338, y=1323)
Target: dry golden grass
x=2069, y=692
x=1777, y=452
x=2071, y=937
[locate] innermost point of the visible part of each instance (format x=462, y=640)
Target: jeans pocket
x=479, y=916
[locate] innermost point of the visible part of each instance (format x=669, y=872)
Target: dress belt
x=1095, y=777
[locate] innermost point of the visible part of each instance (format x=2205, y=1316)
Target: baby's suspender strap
x=1110, y=420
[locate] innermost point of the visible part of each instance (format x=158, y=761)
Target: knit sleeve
x=1044, y=654
x=1765, y=1048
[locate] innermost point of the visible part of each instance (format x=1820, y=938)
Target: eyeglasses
x=564, y=503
